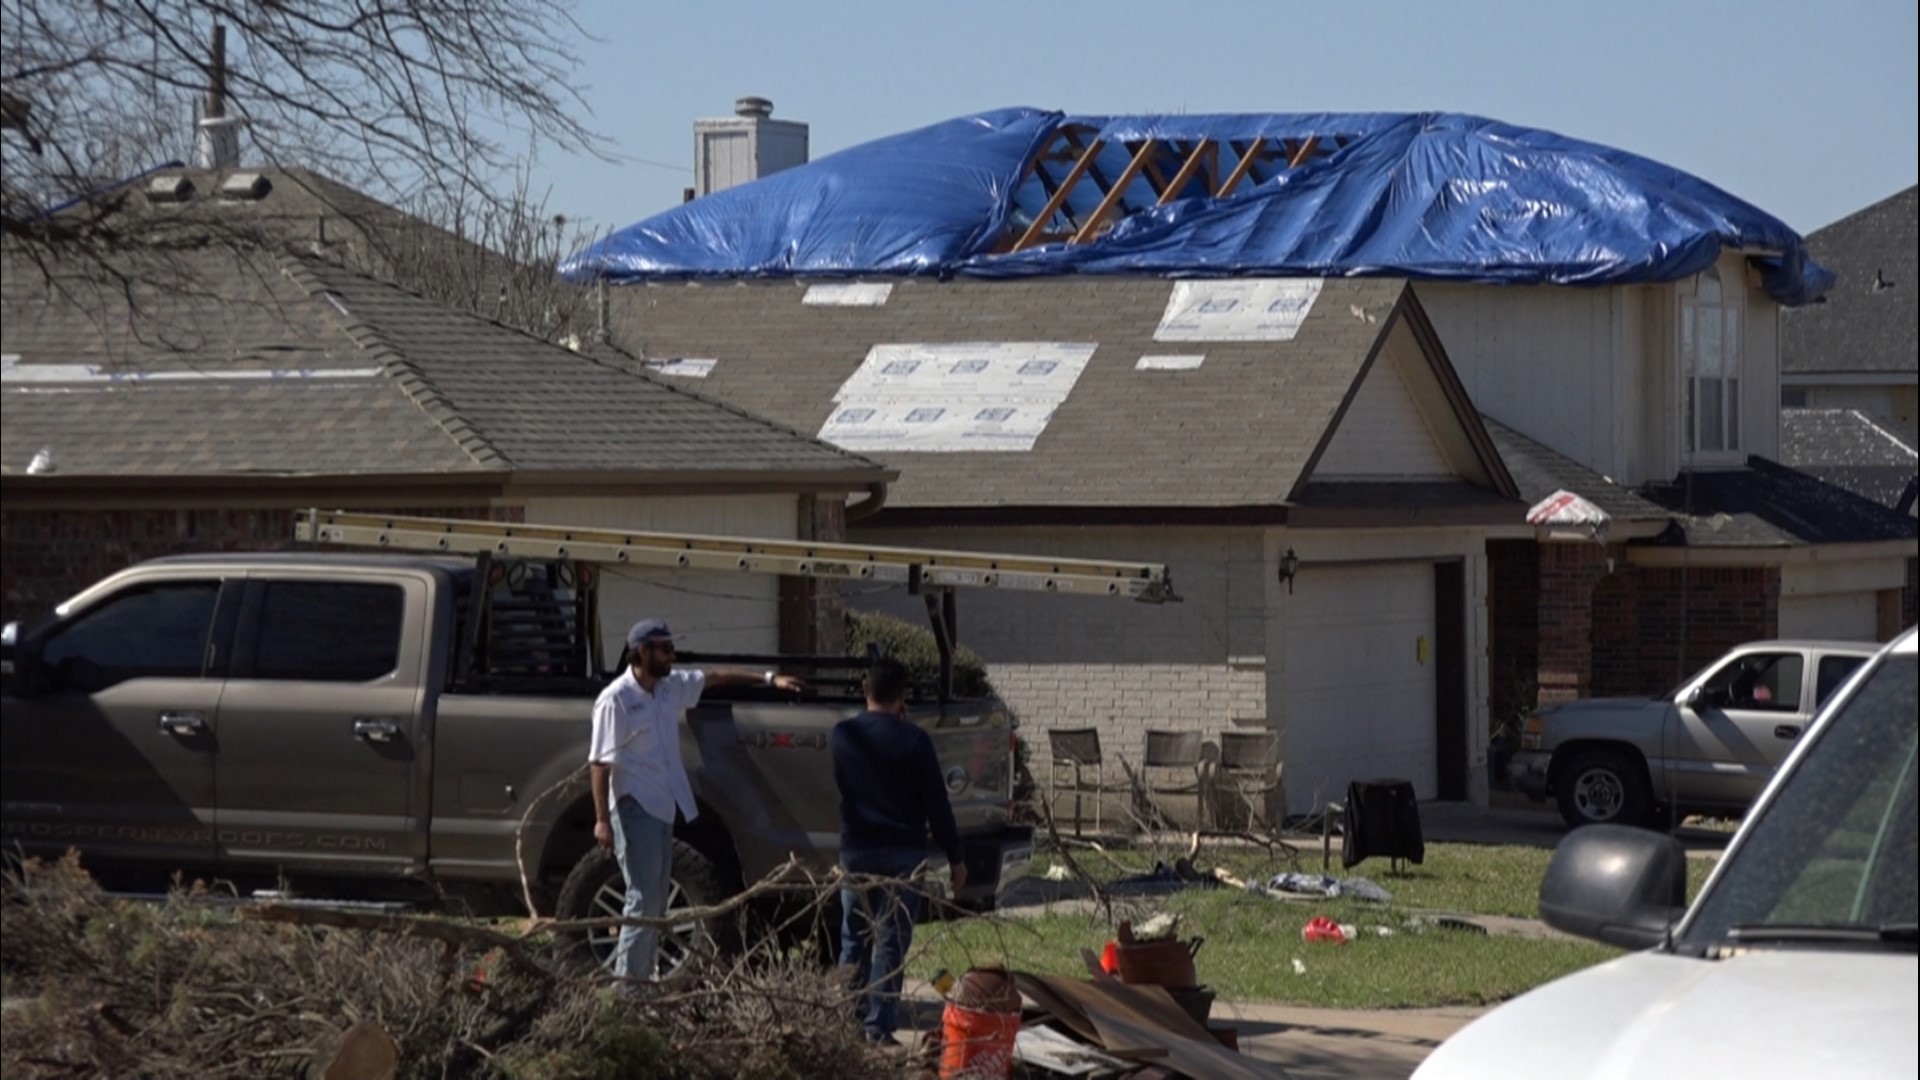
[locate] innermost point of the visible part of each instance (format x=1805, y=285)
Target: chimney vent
x=219, y=142
x=739, y=149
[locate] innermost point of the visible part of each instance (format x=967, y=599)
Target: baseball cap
x=647, y=630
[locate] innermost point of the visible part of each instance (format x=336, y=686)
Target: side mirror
x=20, y=672
x=1619, y=885
x=1701, y=697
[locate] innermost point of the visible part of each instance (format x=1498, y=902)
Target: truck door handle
x=1787, y=731
x=183, y=725
x=375, y=729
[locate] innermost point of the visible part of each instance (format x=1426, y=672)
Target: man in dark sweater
x=891, y=794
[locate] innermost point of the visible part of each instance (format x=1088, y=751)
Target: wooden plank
x=1039, y=224
x=1115, y=192
x=1241, y=170
x=1181, y=179
x=1305, y=152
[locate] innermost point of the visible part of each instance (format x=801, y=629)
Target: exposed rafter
x=1115, y=192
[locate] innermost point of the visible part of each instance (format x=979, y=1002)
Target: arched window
x=1710, y=368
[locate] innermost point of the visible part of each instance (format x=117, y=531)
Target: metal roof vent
x=752, y=107
x=169, y=189
x=245, y=185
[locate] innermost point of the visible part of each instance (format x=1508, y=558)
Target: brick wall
x=51, y=554
x=1118, y=667
x=1568, y=574
x=1616, y=634
x=1687, y=617
x=1513, y=626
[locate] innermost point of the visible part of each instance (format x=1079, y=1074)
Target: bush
x=914, y=646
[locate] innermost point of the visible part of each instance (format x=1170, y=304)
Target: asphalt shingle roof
x=1540, y=471
x=1240, y=430
x=254, y=363
x=1846, y=448
x=1870, y=322
x=1767, y=504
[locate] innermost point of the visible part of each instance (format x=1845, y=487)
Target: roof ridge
x=395, y=365
x=1908, y=192
x=1884, y=433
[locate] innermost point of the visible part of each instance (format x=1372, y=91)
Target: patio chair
x=1077, y=768
x=1250, y=768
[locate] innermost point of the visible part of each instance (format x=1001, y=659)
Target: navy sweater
x=891, y=790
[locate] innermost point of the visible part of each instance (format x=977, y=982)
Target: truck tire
x=1603, y=786
x=595, y=889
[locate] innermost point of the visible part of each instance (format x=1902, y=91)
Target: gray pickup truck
x=414, y=728
x=1710, y=746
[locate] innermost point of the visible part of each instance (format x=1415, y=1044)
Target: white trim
x=1837, y=378
x=1702, y=557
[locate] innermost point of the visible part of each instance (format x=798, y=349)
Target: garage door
x=1845, y=616
x=1359, y=681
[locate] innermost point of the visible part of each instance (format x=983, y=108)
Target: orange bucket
x=977, y=1044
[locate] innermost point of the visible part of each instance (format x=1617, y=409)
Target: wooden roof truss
x=1078, y=187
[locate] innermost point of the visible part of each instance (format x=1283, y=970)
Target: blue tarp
x=1420, y=195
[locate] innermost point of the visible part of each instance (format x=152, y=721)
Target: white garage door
x=1359, y=681
x=1845, y=616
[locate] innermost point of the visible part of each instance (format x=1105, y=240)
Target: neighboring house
x=1618, y=319
x=256, y=384
x=1348, y=447
x=1860, y=349
x=1849, y=449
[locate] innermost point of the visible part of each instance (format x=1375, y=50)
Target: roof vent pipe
x=219, y=134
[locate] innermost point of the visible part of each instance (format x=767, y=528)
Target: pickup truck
x=1710, y=746
x=414, y=728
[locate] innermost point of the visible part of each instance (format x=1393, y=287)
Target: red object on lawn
x=1321, y=928
x=1110, y=958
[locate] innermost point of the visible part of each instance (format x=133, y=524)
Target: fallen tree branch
x=441, y=930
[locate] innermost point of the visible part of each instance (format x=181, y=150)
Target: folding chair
x=1074, y=752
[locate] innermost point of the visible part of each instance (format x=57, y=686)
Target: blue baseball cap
x=646, y=631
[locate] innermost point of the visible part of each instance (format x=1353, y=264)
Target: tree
x=413, y=98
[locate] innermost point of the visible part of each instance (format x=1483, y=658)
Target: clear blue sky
x=1803, y=107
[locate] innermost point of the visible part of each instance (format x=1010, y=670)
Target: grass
x=1252, y=942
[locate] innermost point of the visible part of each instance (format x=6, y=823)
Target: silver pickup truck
x=387, y=727
x=1710, y=746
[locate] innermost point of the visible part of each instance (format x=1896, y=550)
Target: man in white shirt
x=639, y=781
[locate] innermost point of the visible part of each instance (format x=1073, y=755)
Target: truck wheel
x=595, y=889
x=1603, y=786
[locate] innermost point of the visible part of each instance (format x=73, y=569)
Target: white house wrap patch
x=954, y=398
x=852, y=294
x=1253, y=309
x=682, y=368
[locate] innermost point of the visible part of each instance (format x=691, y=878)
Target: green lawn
x=1252, y=941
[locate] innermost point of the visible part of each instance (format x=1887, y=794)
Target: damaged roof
x=1117, y=416
x=1846, y=448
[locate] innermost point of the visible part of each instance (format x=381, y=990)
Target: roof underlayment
x=1025, y=192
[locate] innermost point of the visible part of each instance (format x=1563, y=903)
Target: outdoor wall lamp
x=1289, y=566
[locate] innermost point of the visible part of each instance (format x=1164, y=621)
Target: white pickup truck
x=1710, y=746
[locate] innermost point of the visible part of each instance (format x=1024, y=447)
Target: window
x=157, y=632
x=1765, y=681
x=326, y=631
x=1793, y=397
x=1834, y=671
x=1710, y=368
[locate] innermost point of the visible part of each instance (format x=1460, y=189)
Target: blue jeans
x=644, y=845
x=876, y=930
